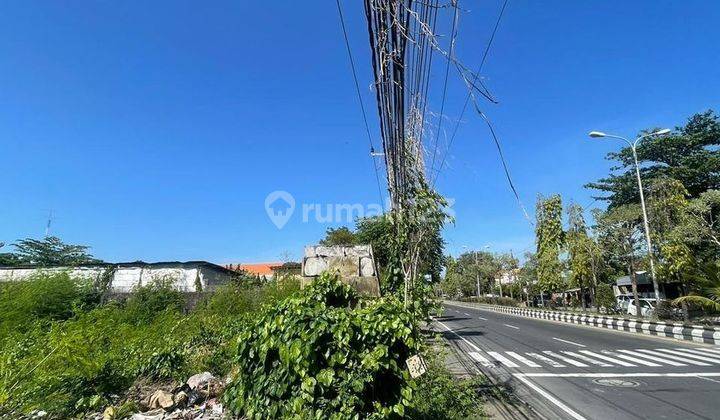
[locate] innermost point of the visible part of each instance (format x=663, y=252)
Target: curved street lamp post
x=633, y=147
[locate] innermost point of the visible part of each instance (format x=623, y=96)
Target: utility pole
x=477, y=275
x=47, y=227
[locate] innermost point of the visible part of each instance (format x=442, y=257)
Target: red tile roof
x=263, y=269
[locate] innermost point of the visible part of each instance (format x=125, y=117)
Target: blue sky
x=155, y=130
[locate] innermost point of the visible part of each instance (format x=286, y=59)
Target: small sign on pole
x=416, y=365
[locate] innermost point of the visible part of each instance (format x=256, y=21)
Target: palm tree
x=708, y=281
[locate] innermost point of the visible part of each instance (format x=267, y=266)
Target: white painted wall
x=127, y=278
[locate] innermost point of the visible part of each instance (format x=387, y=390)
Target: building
x=263, y=270
x=191, y=276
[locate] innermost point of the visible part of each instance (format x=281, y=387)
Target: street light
x=633, y=146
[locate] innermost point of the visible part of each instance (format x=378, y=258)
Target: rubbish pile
x=196, y=399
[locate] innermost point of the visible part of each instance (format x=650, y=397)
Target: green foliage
x=604, y=296
x=439, y=395
x=339, y=236
x=321, y=355
x=461, y=275
x=44, y=297
x=690, y=155
x=620, y=233
x=708, y=286
x=149, y=300
x=493, y=300
x=48, y=251
x=67, y=363
x=550, y=240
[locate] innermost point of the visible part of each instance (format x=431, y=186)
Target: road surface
x=576, y=372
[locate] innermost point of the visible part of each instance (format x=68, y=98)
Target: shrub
x=439, y=395
x=148, y=301
x=44, y=297
x=604, y=296
x=322, y=355
x=493, y=300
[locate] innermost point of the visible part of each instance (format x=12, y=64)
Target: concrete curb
x=697, y=333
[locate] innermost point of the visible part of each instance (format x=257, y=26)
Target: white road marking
x=682, y=353
x=479, y=358
x=632, y=359
x=606, y=358
x=565, y=359
x=617, y=375
x=569, y=342
x=657, y=359
x=587, y=359
x=502, y=359
x=511, y=326
x=702, y=353
x=550, y=398
x=547, y=360
x=523, y=359
x=484, y=319
x=711, y=350
x=684, y=360
x=466, y=314
x=459, y=336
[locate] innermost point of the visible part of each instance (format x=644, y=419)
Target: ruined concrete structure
x=355, y=265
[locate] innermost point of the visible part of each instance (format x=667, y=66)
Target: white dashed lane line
x=569, y=342
x=511, y=326
x=484, y=319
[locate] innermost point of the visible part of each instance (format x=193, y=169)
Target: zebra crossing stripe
x=587, y=359
x=606, y=358
x=565, y=359
x=682, y=353
x=480, y=359
x=700, y=352
x=547, y=360
x=632, y=359
x=502, y=359
x=713, y=350
x=657, y=359
x=525, y=360
x=668, y=356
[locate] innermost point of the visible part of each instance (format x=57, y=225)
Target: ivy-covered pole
x=550, y=238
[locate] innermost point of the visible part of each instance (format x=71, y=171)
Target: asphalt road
x=577, y=372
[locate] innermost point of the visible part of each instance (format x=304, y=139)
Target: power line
x=453, y=35
x=467, y=98
x=359, y=95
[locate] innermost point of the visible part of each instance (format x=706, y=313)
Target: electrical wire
x=359, y=95
x=467, y=98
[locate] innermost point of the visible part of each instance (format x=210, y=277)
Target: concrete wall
x=126, y=278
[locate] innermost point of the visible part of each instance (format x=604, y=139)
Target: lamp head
x=595, y=134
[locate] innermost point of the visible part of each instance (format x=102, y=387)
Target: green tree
x=702, y=224
x=339, y=236
x=620, y=233
x=550, y=238
x=51, y=251
x=581, y=250
x=8, y=259
x=690, y=155
x=527, y=277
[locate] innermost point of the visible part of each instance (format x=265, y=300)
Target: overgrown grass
x=64, y=353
